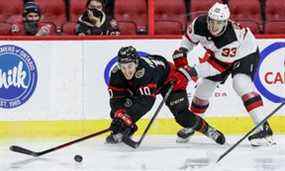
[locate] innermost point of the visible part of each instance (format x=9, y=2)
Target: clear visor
x=216, y=27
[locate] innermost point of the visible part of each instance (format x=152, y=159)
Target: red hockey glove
x=179, y=57
x=121, y=114
x=178, y=80
x=189, y=72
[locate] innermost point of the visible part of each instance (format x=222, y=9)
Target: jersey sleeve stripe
x=151, y=85
x=248, y=96
x=220, y=66
x=117, y=88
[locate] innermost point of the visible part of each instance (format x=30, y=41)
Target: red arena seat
x=77, y=7
x=10, y=8
x=69, y=28
x=254, y=26
x=135, y=11
x=171, y=11
x=5, y=29
x=53, y=11
x=275, y=10
x=14, y=19
x=245, y=10
x=199, y=7
x=168, y=28
x=127, y=27
x=275, y=27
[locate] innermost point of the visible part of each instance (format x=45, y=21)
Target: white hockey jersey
x=235, y=43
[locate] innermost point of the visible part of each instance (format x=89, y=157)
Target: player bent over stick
x=133, y=87
x=231, y=49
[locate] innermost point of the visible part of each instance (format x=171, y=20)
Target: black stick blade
x=130, y=142
x=22, y=150
x=220, y=158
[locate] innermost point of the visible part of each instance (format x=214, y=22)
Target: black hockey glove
x=121, y=122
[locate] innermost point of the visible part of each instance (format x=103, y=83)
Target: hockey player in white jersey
x=231, y=50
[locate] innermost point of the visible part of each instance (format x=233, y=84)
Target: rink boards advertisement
x=66, y=81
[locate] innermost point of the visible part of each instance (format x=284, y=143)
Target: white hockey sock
x=257, y=116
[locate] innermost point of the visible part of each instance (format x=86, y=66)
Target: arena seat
x=254, y=26
x=69, y=28
x=5, y=29
x=53, y=11
x=168, y=27
x=77, y=7
x=199, y=7
x=10, y=8
x=275, y=27
x=275, y=10
x=14, y=19
x=127, y=27
x=2, y=16
x=172, y=11
x=245, y=10
x=135, y=11
x=275, y=17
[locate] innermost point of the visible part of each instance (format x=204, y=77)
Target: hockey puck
x=78, y=158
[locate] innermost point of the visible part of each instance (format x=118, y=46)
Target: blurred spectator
x=25, y=1
x=109, y=7
x=94, y=21
x=31, y=25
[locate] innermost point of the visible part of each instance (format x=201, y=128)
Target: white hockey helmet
x=218, y=16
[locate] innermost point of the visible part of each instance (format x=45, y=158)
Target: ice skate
x=262, y=137
x=114, y=138
x=216, y=135
x=183, y=135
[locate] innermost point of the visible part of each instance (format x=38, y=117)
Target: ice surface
x=156, y=153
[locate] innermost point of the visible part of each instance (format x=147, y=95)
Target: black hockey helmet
x=128, y=54
x=31, y=7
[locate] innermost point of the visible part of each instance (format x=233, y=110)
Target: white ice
x=156, y=153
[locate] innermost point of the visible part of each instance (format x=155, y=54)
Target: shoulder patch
x=140, y=73
x=115, y=69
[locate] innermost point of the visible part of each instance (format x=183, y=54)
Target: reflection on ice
x=195, y=163
x=157, y=153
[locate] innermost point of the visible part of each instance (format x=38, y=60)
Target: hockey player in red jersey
x=135, y=81
x=230, y=50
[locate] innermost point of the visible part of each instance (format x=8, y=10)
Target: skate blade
x=182, y=140
x=112, y=143
x=268, y=141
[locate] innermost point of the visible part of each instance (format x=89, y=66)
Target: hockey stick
x=22, y=150
x=237, y=143
x=135, y=144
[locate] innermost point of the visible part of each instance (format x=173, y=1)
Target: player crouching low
x=134, y=84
